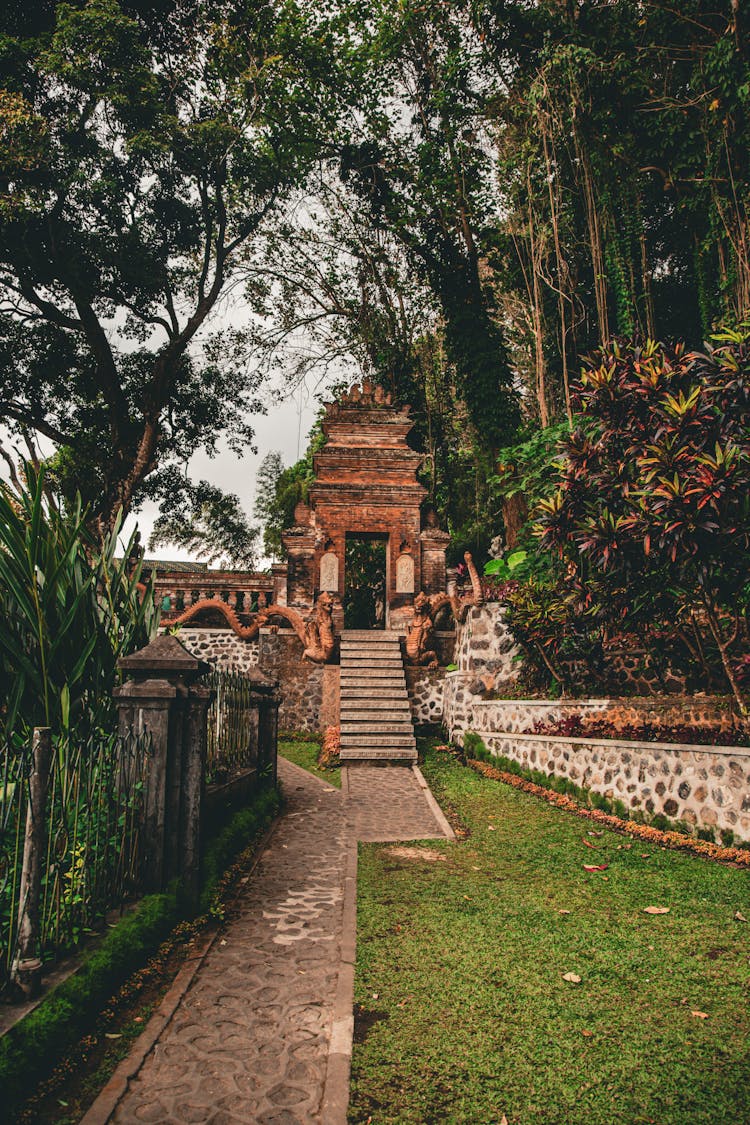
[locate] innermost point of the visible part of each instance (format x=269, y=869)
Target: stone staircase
x=376, y=724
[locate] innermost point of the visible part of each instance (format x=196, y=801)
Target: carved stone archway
x=365, y=484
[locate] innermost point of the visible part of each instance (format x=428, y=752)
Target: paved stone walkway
x=387, y=803
x=249, y=1041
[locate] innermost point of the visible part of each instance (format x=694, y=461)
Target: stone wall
x=309, y=692
x=485, y=647
x=704, y=786
x=465, y=711
x=221, y=647
x=301, y=683
x=425, y=695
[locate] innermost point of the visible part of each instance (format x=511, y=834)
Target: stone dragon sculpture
x=419, y=633
x=317, y=633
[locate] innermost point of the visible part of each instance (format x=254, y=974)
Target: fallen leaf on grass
x=595, y=866
x=112, y=1035
x=376, y=995
x=503, y=1120
x=588, y=843
x=656, y=910
x=739, y=916
x=563, y=912
x=490, y=827
x=699, y=1015
x=572, y=978
x=588, y=1034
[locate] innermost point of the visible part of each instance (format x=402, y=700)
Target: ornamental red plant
x=653, y=510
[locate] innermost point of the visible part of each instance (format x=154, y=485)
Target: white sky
x=284, y=428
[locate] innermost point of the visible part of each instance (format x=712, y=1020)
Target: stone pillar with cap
x=163, y=698
x=300, y=542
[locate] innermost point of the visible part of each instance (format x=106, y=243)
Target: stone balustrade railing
x=245, y=592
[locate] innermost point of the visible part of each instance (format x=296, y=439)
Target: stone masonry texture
x=249, y=1040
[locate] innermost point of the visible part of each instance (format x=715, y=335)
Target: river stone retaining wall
x=704, y=786
x=485, y=647
x=221, y=647
x=426, y=695
x=464, y=711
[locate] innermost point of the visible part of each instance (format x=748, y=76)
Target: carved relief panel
x=405, y=574
x=329, y=572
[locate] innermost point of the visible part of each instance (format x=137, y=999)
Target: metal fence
x=90, y=859
x=232, y=735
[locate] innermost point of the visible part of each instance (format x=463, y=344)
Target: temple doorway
x=365, y=581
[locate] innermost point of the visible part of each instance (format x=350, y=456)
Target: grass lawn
x=463, y=1014
x=305, y=754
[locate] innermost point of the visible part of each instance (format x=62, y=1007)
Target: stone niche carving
x=405, y=574
x=329, y=572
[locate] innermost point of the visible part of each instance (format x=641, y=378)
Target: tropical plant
x=69, y=608
x=652, y=517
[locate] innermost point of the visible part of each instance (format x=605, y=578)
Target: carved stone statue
x=419, y=632
x=317, y=633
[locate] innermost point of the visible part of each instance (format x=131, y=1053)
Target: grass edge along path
x=465, y=1010
x=304, y=750
x=38, y=1050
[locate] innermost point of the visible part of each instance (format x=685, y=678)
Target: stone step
x=373, y=689
x=373, y=755
x=361, y=709
x=375, y=722
x=349, y=643
x=382, y=741
x=392, y=652
x=371, y=636
x=362, y=675
x=380, y=709
x=362, y=732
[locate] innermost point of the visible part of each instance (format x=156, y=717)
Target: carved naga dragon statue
x=317, y=633
x=419, y=633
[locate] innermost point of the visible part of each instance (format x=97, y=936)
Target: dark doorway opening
x=364, y=581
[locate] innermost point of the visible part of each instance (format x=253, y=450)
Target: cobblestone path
x=249, y=1040
x=387, y=803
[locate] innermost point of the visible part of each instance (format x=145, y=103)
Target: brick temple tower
x=363, y=526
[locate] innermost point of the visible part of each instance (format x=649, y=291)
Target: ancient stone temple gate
x=365, y=491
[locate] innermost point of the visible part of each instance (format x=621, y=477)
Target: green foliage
x=202, y=519
x=649, y=530
x=68, y=610
x=232, y=838
x=140, y=156
x=278, y=491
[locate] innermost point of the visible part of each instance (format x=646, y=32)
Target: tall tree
x=139, y=157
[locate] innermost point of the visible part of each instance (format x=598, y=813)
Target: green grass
x=305, y=754
x=463, y=1013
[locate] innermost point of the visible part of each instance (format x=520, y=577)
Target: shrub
x=68, y=610
x=648, y=530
